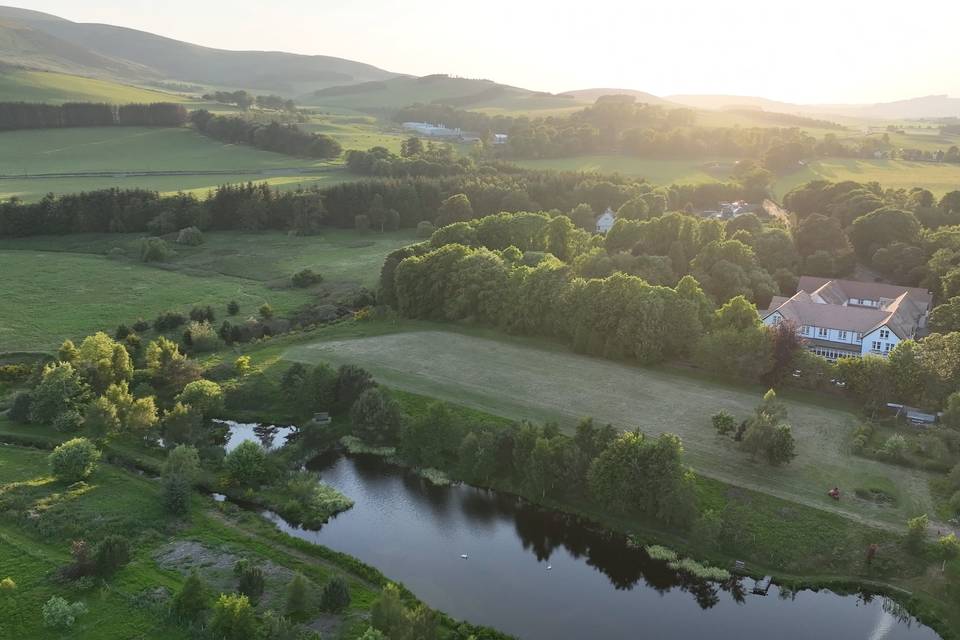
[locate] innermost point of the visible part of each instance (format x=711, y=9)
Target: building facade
x=606, y=220
x=844, y=318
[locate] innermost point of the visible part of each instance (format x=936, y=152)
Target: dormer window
x=823, y=332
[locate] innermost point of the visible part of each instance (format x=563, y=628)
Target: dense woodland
x=273, y=136
x=618, y=124
x=36, y=115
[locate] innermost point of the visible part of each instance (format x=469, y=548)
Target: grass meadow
x=523, y=379
x=62, y=287
x=49, y=86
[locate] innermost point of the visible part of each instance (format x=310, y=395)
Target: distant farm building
x=500, y=138
x=433, y=130
x=606, y=220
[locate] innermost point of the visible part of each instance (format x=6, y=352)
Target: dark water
x=268, y=435
x=596, y=586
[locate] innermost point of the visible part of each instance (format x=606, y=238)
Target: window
x=805, y=330
x=886, y=347
x=859, y=337
x=843, y=335
x=822, y=332
x=875, y=346
x=884, y=334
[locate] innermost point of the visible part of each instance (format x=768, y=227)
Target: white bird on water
x=464, y=556
x=549, y=567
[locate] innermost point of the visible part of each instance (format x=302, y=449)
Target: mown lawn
x=892, y=174
x=528, y=380
x=656, y=171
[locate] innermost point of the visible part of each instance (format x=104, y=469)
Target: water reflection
x=598, y=585
x=269, y=436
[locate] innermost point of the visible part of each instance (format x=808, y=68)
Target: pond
x=540, y=575
x=269, y=436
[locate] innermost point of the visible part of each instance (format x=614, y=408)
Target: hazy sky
x=811, y=51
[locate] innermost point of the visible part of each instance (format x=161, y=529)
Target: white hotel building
x=839, y=318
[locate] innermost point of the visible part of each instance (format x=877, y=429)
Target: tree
x=767, y=434
x=387, y=613
x=335, y=596
x=205, y=396
x=583, y=216
x=820, y=233
x=375, y=416
x=175, y=494
x=351, y=382
x=297, y=605
x=183, y=460
x=233, y=618
x=191, y=601
x=250, y=579
x=882, y=227
x=266, y=311
x=945, y=318
x=61, y=389
x=101, y=419
x=917, y=532
x=233, y=308
x=634, y=209
x=182, y=424
x=110, y=554
x=74, y=460
x=456, y=208
x=410, y=147
x=247, y=464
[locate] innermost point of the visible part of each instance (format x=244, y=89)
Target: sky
x=816, y=51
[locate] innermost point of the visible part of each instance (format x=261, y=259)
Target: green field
x=893, y=174
x=65, y=286
x=655, y=171
x=117, y=150
x=48, y=86
x=516, y=379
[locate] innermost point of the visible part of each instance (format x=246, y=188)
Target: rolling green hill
x=463, y=93
x=48, y=86
x=41, y=41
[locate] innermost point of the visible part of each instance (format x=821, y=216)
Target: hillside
x=464, y=93
x=42, y=41
x=591, y=95
x=49, y=86
x=924, y=107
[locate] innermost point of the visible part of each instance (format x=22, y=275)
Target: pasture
x=48, y=86
x=655, y=171
x=521, y=380
x=62, y=287
x=892, y=174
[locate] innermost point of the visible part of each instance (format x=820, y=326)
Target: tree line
x=38, y=115
x=273, y=136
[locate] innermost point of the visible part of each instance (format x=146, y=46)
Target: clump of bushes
x=724, y=423
x=250, y=579
x=894, y=447
x=335, y=596
x=74, y=460
x=357, y=446
x=658, y=552
x=190, y=236
x=201, y=337
x=154, y=250
x=60, y=614
x=168, y=320
x=861, y=437
x=306, y=278
x=697, y=570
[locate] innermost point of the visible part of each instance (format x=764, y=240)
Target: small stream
x=541, y=575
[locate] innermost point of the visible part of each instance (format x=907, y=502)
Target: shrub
x=375, y=416
x=191, y=601
x=60, y=614
x=658, y=552
x=247, y=464
x=250, y=579
x=110, y=554
x=266, y=311
x=168, y=320
x=203, y=314
x=916, y=532
x=297, y=597
x=425, y=229
x=154, y=250
x=176, y=494
x=242, y=365
x=190, y=236
x=74, y=460
x=68, y=421
x=723, y=423
x=204, y=396
x=20, y=409
x=894, y=447
x=306, y=278
x=233, y=308
x=122, y=332
x=7, y=584
x=335, y=596
x=202, y=337
x=949, y=546
x=233, y=618
x=141, y=325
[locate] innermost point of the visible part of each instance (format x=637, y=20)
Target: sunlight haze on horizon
x=822, y=52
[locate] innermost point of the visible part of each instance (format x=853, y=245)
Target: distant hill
x=464, y=93
x=42, y=41
x=591, y=95
x=925, y=107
